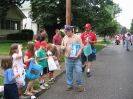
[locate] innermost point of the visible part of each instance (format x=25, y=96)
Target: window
x=10, y=25
x=2, y=24
x=15, y=25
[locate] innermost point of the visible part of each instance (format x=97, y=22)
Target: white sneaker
x=33, y=97
x=45, y=84
x=42, y=87
x=53, y=79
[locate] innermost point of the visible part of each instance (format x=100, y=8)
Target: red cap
x=87, y=25
x=43, y=43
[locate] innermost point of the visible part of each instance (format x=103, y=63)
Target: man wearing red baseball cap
x=88, y=37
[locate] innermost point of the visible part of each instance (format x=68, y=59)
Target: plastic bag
x=19, y=69
x=57, y=64
x=51, y=64
x=34, y=70
x=87, y=50
x=74, y=49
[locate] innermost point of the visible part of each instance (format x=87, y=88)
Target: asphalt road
x=111, y=78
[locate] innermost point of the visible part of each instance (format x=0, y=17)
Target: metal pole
x=68, y=12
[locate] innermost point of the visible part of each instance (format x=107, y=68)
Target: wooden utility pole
x=68, y=12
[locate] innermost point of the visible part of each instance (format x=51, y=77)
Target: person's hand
x=63, y=47
x=89, y=40
x=31, y=58
x=20, y=46
x=55, y=58
x=17, y=75
x=74, y=57
x=46, y=58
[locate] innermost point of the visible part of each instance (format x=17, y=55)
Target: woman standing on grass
x=29, y=55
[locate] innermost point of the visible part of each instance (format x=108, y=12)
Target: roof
x=20, y=12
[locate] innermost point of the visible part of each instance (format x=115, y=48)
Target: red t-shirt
x=29, y=56
x=57, y=39
x=37, y=45
x=91, y=35
x=123, y=37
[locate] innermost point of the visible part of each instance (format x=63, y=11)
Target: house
x=13, y=22
x=28, y=23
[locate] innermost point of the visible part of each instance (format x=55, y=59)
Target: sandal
x=35, y=91
x=28, y=93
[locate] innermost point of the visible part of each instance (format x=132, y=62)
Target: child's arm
x=26, y=59
x=16, y=76
x=11, y=77
x=39, y=59
x=19, y=55
x=39, y=56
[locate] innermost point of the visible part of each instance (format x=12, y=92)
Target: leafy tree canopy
x=51, y=13
x=123, y=30
x=131, y=28
x=6, y=4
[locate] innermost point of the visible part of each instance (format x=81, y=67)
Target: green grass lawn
x=5, y=47
x=1, y=84
x=99, y=38
x=99, y=47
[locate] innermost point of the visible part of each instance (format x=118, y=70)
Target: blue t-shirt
x=9, y=76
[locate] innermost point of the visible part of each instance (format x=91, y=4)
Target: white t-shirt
x=18, y=67
x=127, y=36
x=19, y=61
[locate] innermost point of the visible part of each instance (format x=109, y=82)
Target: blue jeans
x=128, y=44
x=70, y=65
x=123, y=42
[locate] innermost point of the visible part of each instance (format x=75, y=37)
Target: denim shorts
x=91, y=57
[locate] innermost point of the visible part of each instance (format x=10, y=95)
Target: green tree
x=123, y=30
x=116, y=9
x=51, y=13
x=6, y=4
x=110, y=26
x=131, y=28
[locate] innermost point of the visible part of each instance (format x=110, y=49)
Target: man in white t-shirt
x=128, y=39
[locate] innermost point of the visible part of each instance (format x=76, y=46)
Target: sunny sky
x=126, y=16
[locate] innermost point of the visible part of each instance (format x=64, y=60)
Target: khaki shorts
x=58, y=48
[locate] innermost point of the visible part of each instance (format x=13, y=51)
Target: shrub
x=18, y=36
x=30, y=32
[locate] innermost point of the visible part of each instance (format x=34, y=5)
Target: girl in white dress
x=18, y=66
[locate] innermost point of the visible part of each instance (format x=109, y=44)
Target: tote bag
x=34, y=70
x=87, y=50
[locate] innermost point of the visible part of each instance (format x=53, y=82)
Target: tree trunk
x=51, y=32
